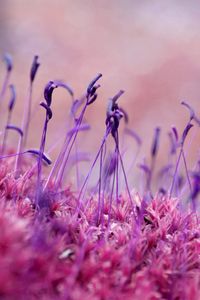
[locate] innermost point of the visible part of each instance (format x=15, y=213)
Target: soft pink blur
x=151, y=49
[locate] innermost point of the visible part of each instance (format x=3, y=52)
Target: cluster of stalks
x=110, y=164
x=96, y=221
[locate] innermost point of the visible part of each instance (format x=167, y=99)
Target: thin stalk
x=61, y=157
x=111, y=198
x=12, y=155
x=56, y=164
x=126, y=180
x=187, y=172
x=77, y=167
x=95, y=189
x=6, y=133
x=90, y=171
x=27, y=114
x=100, y=207
x=42, y=145
x=17, y=161
x=4, y=86
x=60, y=174
x=117, y=178
x=149, y=180
x=61, y=171
x=24, y=127
x=133, y=161
x=58, y=160
x=117, y=167
x=105, y=181
x=175, y=173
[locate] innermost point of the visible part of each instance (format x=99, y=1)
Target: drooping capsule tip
x=34, y=67
x=9, y=61
x=92, y=83
x=154, y=148
x=48, y=110
x=12, y=98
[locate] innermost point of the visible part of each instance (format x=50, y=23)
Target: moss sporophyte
x=106, y=240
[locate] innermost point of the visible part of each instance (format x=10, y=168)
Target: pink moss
x=60, y=256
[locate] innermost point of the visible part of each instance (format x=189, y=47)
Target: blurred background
x=151, y=49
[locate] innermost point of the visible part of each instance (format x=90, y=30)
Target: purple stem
x=61, y=157
x=61, y=171
x=90, y=171
x=12, y=155
x=111, y=198
x=117, y=168
x=19, y=150
x=100, y=207
x=150, y=176
x=187, y=173
x=113, y=183
x=77, y=168
x=5, y=85
x=57, y=162
x=175, y=173
x=6, y=132
x=126, y=180
x=42, y=145
x=27, y=115
x=24, y=127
